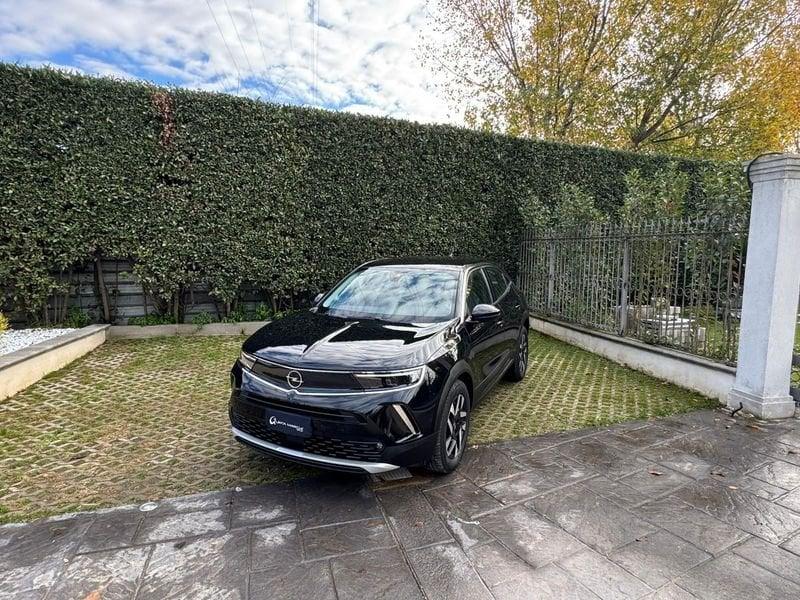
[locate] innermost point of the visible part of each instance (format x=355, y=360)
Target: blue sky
x=356, y=55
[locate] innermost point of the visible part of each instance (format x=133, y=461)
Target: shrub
x=4, y=324
x=198, y=187
x=152, y=319
x=77, y=318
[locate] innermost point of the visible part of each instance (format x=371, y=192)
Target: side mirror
x=317, y=299
x=484, y=312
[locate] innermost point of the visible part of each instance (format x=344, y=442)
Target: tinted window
x=396, y=293
x=497, y=282
x=477, y=292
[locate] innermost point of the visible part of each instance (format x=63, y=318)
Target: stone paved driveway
x=700, y=505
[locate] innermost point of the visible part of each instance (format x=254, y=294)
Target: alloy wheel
x=456, y=427
x=522, y=353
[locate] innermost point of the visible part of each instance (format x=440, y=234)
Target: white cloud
x=366, y=57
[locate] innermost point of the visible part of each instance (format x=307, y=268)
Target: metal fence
x=671, y=282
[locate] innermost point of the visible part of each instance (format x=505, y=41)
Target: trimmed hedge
x=198, y=187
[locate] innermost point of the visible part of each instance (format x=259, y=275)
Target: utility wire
x=279, y=86
x=238, y=37
x=224, y=41
x=315, y=46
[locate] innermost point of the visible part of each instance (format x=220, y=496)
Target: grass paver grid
x=137, y=420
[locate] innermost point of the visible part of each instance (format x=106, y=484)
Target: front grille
x=330, y=447
x=333, y=380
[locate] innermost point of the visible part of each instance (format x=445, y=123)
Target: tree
x=695, y=77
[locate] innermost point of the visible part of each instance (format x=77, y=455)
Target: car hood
x=312, y=340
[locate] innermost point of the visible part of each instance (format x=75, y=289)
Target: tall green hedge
x=199, y=187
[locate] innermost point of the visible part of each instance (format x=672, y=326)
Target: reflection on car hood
x=312, y=340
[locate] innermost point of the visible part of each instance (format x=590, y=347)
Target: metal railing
x=671, y=282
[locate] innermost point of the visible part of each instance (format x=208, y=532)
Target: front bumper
x=316, y=460
x=346, y=434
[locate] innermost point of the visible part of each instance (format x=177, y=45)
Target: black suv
x=383, y=371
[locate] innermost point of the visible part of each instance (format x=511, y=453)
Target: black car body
x=369, y=393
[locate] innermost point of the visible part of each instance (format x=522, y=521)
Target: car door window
x=477, y=290
x=497, y=283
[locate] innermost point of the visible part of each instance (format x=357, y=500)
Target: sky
x=350, y=55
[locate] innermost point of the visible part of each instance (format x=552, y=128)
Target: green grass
x=137, y=420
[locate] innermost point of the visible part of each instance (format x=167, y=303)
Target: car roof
x=438, y=261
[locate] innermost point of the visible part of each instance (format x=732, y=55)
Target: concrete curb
x=24, y=367
x=150, y=331
x=709, y=378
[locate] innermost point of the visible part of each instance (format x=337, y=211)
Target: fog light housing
x=398, y=423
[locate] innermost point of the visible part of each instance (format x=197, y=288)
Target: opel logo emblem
x=294, y=379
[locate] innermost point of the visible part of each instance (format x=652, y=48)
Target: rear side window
x=497, y=282
x=477, y=292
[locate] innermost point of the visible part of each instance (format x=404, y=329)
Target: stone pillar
x=771, y=287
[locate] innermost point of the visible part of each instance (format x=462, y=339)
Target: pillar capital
x=774, y=166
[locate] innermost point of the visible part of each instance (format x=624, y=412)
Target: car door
x=510, y=305
x=484, y=353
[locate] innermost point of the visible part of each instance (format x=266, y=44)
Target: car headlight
x=371, y=381
x=247, y=360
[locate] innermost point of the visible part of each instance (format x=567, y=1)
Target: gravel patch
x=16, y=339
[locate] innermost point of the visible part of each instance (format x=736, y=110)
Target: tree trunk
x=100, y=286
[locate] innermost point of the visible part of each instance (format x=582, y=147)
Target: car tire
x=517, y=370
x=452, y=430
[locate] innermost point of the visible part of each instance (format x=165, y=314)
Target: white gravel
x=16, y=339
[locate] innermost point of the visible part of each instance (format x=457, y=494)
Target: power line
x=224, y=41
x=315, y=46
x=261, y=45
x=238, y=37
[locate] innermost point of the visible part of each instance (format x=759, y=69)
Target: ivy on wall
x=198, y=187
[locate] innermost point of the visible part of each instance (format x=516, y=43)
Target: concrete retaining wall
x=709, y=378
x=149, y=331
x=24, y=367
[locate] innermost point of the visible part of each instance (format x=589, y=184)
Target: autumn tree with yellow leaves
x=713, y=78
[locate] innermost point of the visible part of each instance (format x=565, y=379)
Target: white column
x=771, y=287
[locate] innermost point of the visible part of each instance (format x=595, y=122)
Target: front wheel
x=516, y=372
x=452, y=430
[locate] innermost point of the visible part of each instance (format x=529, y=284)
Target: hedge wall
x=199, y=187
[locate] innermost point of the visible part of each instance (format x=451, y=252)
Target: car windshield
x=402, y=294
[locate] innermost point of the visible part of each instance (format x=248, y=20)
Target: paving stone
x=604, y=578
x=379, y=574
x=263, y=504
x=658, y=558
x=207, y=567
x=691, y=524
x=616, y=491
x=655, y=480
x=308, y=581
x=413, y=519
x=750, y=484
x=776, y=449
x=181, y=525
x=678, y=460
x=602, y=458
x=465, y=500
x=193, y=503
x=32, y=556
x=591, y=518
x=723, y=453
x=530, y=536
x=779, y=473
x=732, y=577
x=467, y=533
x=110, y=575
x=651, y=435
x=557, y=468
x=792, y=545
x=671, y=592
x=741, y=509
x=549, y=582
x=482, y=465
x=115, y=529
x=444, y=571
x=520, y=487
x=791, y=500
x=497, y=565
x=345, y=538
x=335, y=499
x=771, y=557
x=275, y=545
